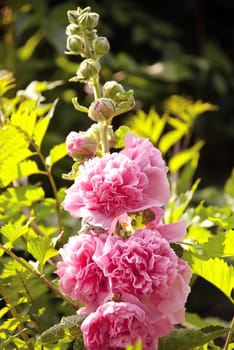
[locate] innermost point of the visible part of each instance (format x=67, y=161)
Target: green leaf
x=7, y=81
x=13, y=232
x=183, y=157
x=149, y=125
x=42, y=125
x=56, y=153
x=67, y=330
x=220, y=245
x=120, y=134
x=41, y=249
x=24, y=118
x=27, y=168
x=187, y=339
x=137, y=346
x=217, y=272
x=187, y=109
x=169, y=139
x=14, y=149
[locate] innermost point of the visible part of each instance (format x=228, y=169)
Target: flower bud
x=89, y=20
x=88, y=68
x=81, y=145
x=111, y=88
x=101, y=46
x=75, y=43
x=72, y=29
x=73, y=16
x=102, y=109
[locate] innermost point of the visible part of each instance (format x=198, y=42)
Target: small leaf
x=13, y=232
x=183, y=157
x=187, y=339
x=169, y=139
x=41, y=249
x=120, y=134
x=56, y=154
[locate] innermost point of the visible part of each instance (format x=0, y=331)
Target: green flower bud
x=73, y=16
x=75, y=43
x=88, y=68
x=111, y=88
x=101, y=46
x=102, y=109
x=72, y=29
x=89, y=20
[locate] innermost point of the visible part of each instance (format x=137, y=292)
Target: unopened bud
x=81, y=145
x=102, y=109
x=111, y=88
x=89, y=20
x=88, y=68
x=72, y=29
x=75, y=43
x=101, y=46
x=73, y=16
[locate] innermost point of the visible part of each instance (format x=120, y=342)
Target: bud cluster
x=82, y=35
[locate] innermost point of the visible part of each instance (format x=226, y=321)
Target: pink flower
x=110, y=186
x=171, y=232
x=79, y=276
x=144, y=153
x=80, y=145
x=115, y=325
x=146, y=267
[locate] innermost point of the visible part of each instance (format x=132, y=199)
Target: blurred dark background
x=158, y=48
x=167, y=47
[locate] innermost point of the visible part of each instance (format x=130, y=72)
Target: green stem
x=229, y=336
x=38, y=274
x=103, y=133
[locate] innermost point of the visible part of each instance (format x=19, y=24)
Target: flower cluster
x=131, y=282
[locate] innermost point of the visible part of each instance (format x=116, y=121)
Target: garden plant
x=109, y=260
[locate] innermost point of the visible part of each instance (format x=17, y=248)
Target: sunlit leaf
x=56, y=154
x=24, y=118
x=41, y=249
x=13, y=232
x=187, y=109
x=7, y=81
x=219, y=245
x=217, y=272
x=120, y=134
x=169, y=139
x=149, y=125
x=183, y=157
x=42, y=125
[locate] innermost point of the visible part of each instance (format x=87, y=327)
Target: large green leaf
x=220, y=245
x=67, y=330
x=217, y=272
x=187, y=339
